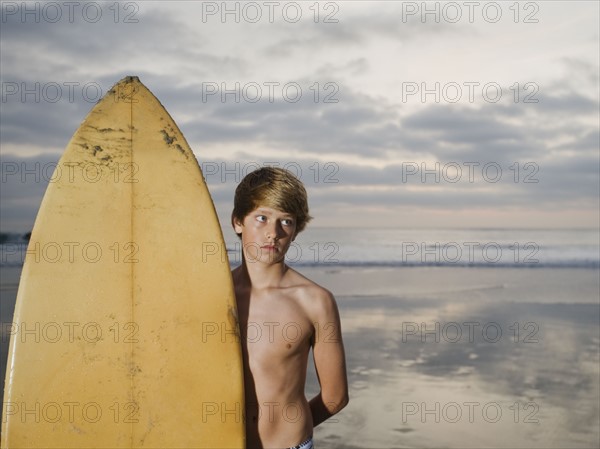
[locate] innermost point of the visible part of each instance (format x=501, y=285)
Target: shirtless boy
x=282, y=315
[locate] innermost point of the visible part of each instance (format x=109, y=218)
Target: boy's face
x=266, y=234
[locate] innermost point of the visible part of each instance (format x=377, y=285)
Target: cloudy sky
x=410, y=114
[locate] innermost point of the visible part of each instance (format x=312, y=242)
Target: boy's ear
x=237, y=225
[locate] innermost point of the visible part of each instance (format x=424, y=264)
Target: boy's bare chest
x=274, y=324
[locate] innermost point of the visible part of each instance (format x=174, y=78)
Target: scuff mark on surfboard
x=76, y=429
x=170, y=140
x=134, y=369
x=167, y=138
x=233, y=320
x=150, y=425
x=105, y=130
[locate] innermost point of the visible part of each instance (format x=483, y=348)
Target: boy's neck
x=264, y=276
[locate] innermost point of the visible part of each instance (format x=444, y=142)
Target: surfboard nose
x=131, y=79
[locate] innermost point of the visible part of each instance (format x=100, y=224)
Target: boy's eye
x=261, y=218
x=287, y=222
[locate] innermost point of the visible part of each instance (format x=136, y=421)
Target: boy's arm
x=330, y=363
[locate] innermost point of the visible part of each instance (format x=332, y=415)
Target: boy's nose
x=273, y=232
x=270, y=233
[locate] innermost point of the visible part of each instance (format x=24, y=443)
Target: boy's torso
x=276, y=331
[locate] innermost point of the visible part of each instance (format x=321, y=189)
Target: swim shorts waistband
x=308, y=444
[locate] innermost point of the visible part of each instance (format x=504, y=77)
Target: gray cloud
x=355, y=26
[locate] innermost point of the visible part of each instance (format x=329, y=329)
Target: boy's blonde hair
x=273, y=187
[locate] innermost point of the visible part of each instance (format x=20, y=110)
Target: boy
x=282, y=315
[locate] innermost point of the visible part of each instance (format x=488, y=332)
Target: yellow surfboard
x=125, y=331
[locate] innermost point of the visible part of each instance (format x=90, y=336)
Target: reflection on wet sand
x=470, y=367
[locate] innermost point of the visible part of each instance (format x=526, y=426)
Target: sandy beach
x=455, y=357
x=467, y=357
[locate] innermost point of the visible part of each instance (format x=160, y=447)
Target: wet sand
x=9, y=282
x=467, y=357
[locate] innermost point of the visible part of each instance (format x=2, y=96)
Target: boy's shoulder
x=312, y=295
x=305, y=285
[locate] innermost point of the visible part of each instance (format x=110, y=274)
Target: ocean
x=331, y=247
x=514, y=248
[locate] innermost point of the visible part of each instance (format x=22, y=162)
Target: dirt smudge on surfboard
x=171, y=139
x=233, y=320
